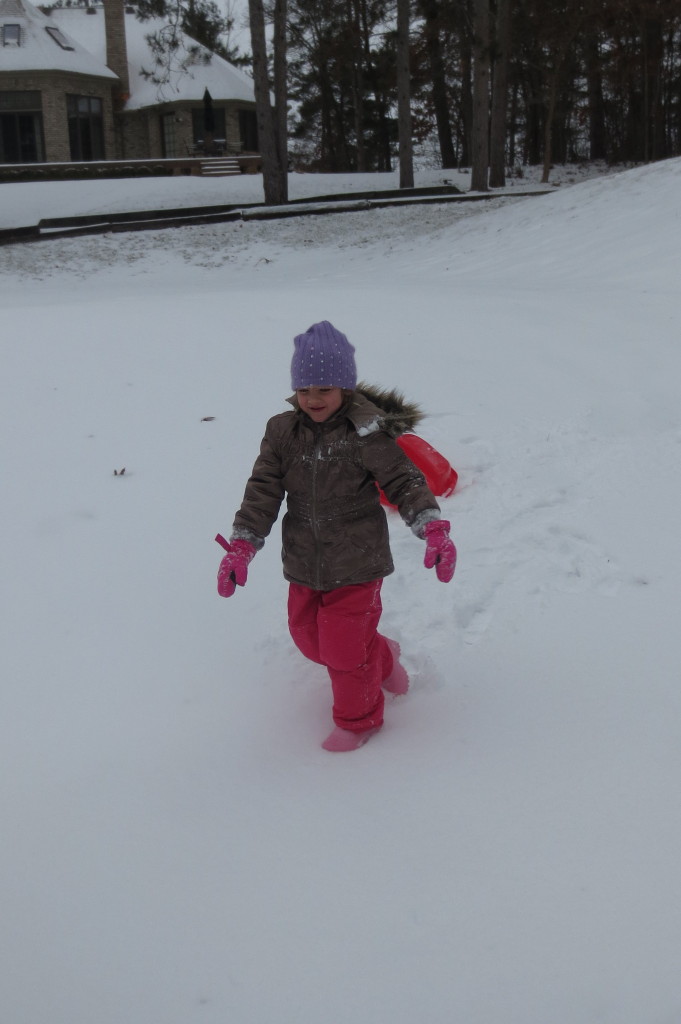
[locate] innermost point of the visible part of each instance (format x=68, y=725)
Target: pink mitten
x=440, y=550
x=233, y=569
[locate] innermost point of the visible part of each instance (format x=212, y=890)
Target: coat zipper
x=315, y=524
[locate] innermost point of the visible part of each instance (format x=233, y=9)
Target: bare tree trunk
x=513, y=125
x=480, y=163
x=274, y=183
x=465, y=158
x=653, y=57
x=553, y=86
x=430, y=10
x=594, y=78
x=548, y=127
x=281, y=96
x=358, y=84
x=561, y=43
x=382, y=143
x=404, y=96
x=502, y=45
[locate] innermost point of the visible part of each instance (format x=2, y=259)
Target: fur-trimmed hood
x=397, y=415
x=372, y=408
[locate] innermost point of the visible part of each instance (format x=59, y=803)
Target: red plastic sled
x=440, y=476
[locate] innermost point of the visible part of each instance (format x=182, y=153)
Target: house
x=81, y=83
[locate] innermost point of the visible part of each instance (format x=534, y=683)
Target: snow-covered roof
x=43, y=44
x=208, y=71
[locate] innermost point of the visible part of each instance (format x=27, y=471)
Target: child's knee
x=343, y=645
x=306, y=640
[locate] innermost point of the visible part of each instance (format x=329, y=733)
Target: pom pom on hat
x=323, y=358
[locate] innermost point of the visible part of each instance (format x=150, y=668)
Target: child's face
x=320, y=403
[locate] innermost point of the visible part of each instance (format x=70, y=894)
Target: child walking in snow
x=326, y=456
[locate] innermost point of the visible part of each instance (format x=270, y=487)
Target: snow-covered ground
x=27, y=203
x=176, y=846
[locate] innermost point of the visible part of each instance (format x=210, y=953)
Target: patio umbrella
x=208, y=115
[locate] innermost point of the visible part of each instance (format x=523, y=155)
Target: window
x=86, y=127
x=59, y=37
x=168, y=135
x=11, y=35
x=21, y=128
x=25, y=100
x=248, y=130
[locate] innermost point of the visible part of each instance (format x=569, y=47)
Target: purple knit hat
x=323, y=358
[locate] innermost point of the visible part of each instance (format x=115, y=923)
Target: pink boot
x=398, y=680
x=342, y=740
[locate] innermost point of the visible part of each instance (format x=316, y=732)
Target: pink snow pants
x=338, y=629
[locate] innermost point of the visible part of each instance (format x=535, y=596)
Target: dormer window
x=11, y=35
x=59, y=37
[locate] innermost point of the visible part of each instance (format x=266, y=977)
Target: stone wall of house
x=135, y=136
x=128, y=135
x=142, y=131
x=54, y=86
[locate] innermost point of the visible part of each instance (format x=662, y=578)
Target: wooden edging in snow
x=148, y=220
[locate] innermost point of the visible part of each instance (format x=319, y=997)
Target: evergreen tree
x=201, y=20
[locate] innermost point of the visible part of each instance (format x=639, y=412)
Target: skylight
x=59, y=37
x=11, y=35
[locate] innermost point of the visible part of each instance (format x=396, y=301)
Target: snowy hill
x=177, y=847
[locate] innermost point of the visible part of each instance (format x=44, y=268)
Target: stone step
x=220, y=166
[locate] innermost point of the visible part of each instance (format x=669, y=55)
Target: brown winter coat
x=335, y=531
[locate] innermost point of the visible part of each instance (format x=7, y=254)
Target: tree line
x=564, y=79
x=483, y=84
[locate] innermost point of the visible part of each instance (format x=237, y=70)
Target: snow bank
x=177, y=846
